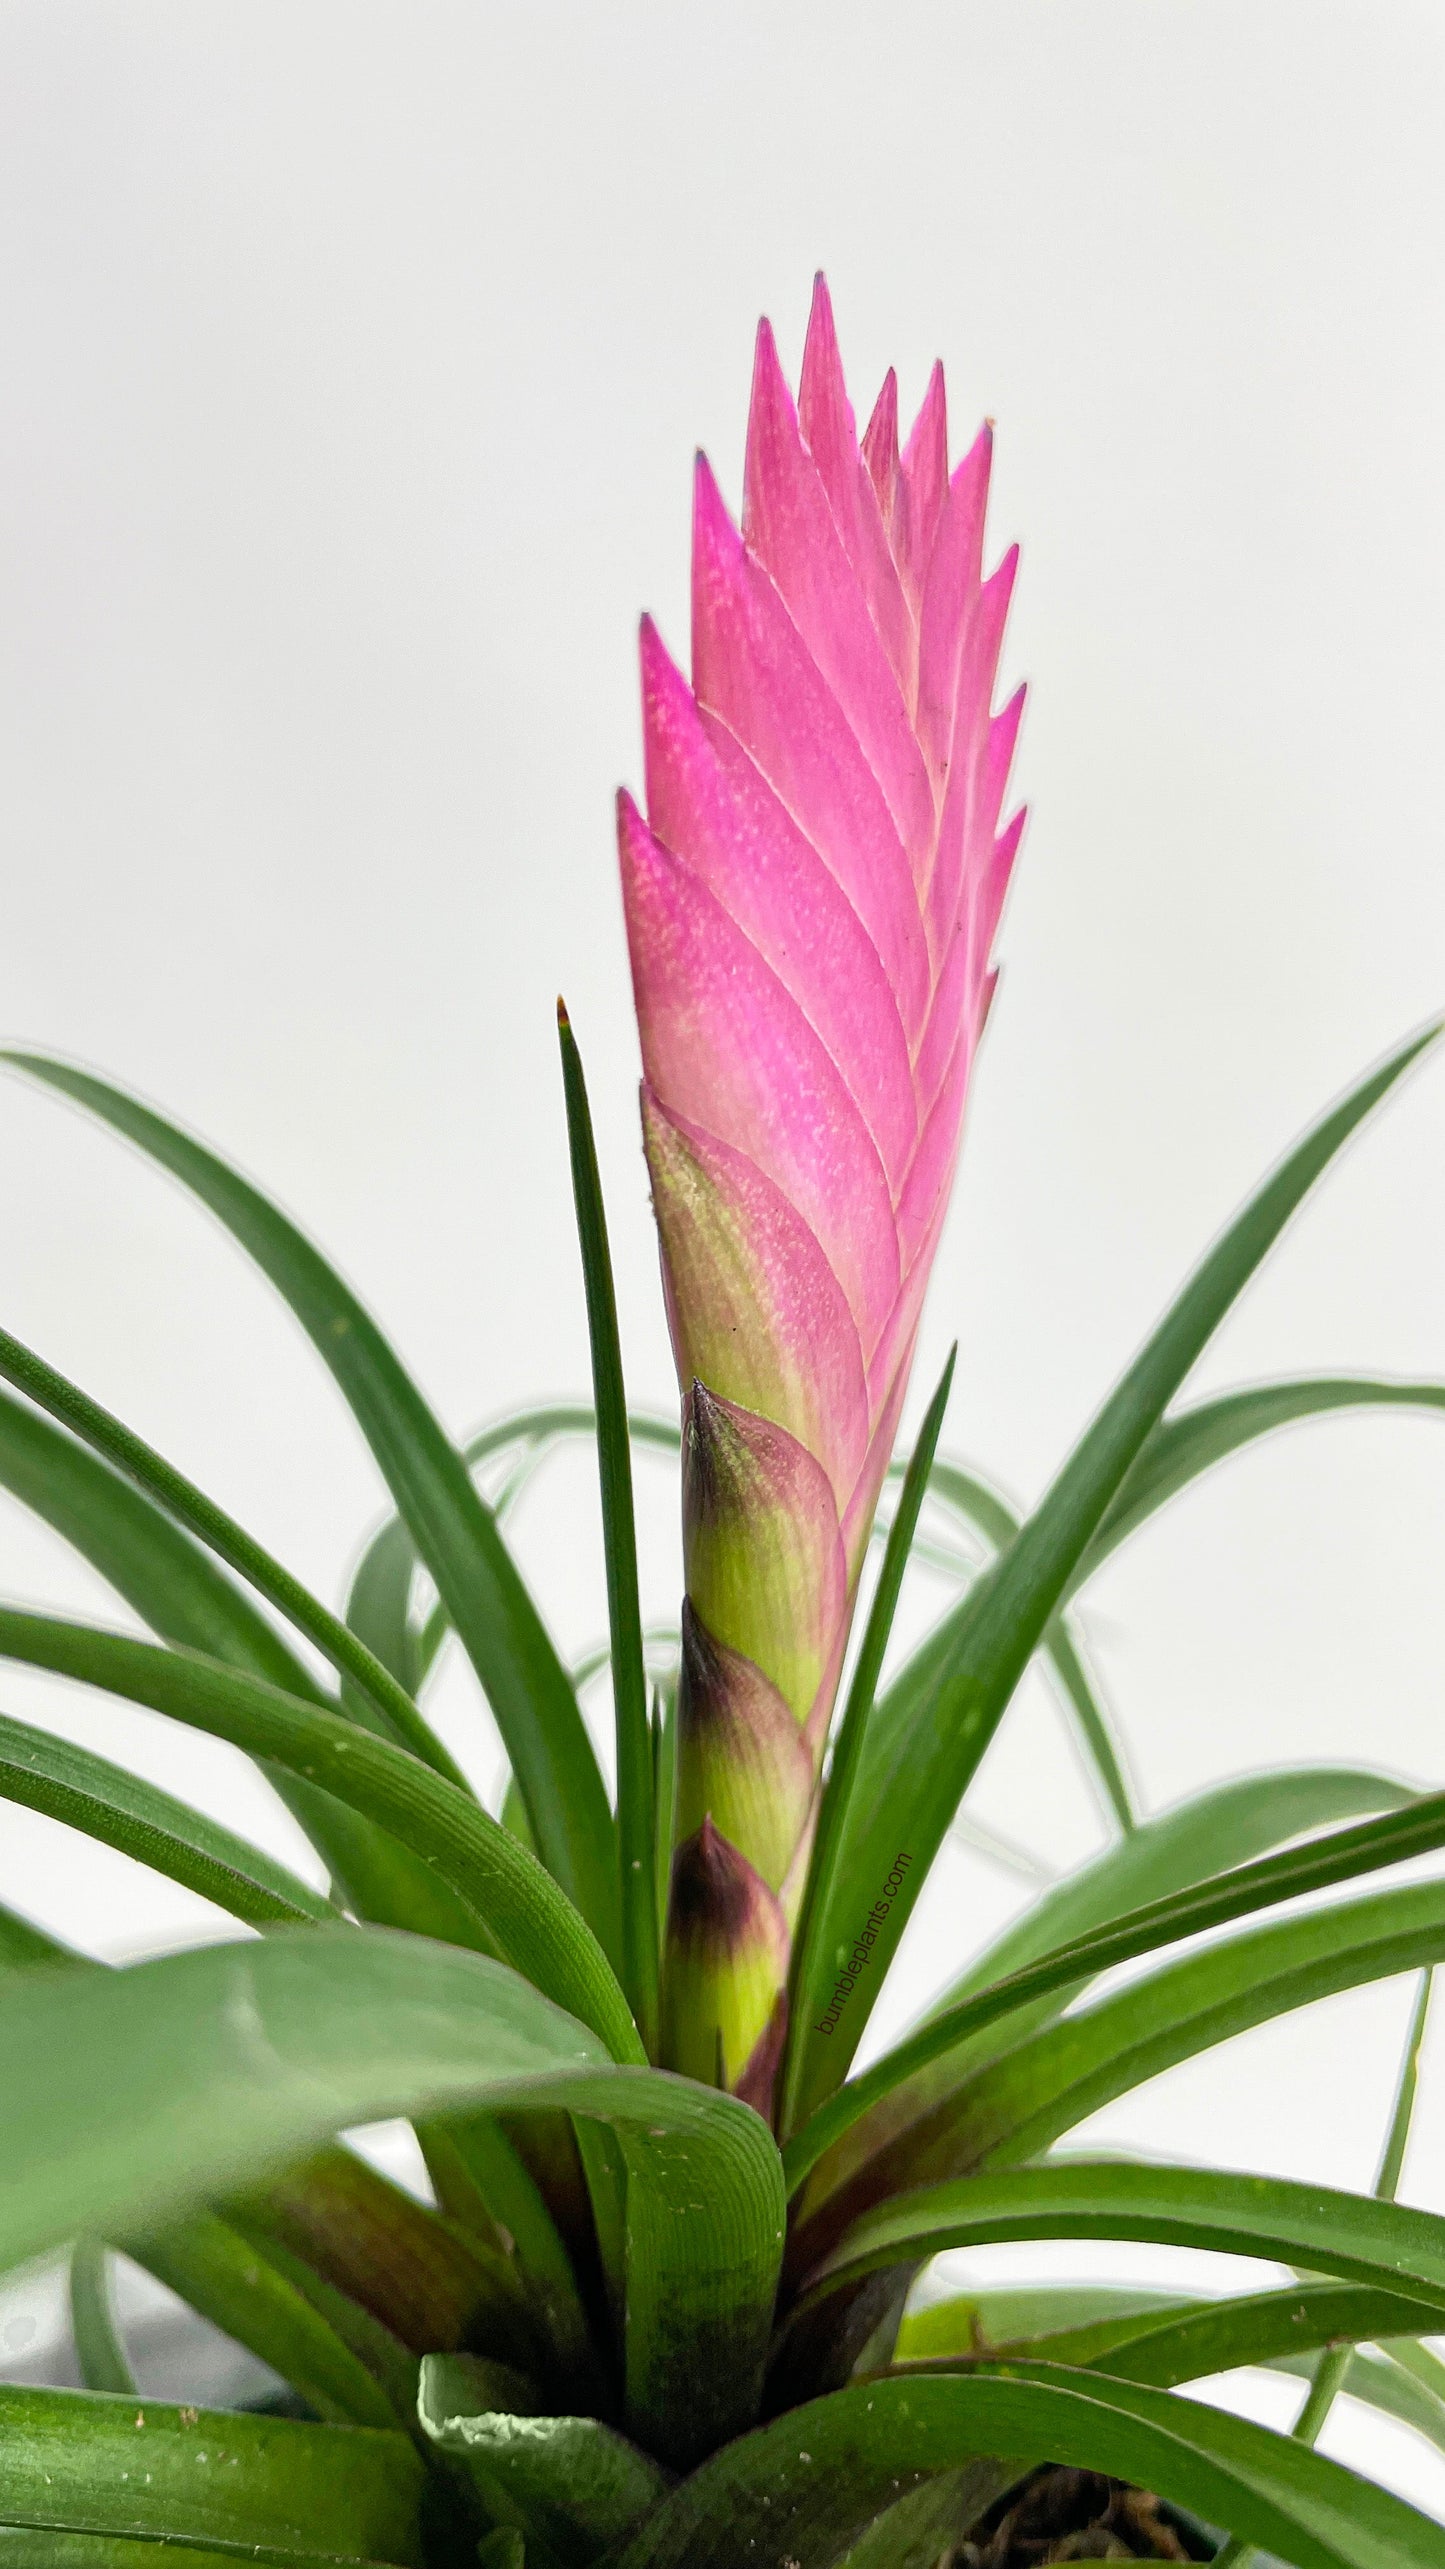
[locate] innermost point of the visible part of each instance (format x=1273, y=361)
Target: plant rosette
x=671, y=2296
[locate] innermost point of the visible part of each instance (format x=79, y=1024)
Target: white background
x=354, y=358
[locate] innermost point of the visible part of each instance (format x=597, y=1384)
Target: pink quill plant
x=811, y=906
x=641, y=2325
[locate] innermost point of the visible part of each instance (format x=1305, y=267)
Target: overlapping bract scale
x=811, y=897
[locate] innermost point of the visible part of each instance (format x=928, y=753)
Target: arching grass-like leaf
x=933, y=1726
x=520, y=1905
x=1192, y=1441
x=486, y=2187
x=130, y=2095
x=146, y=1557
x=1388, y=2382
x=474, y=2167
x=619, y=1536
x=1332, y=2367
x=98, y=2347
x=1364, y=1940
x=501, y=1631
x=107, y=1803
x=986, y=1512
x=1032, y=2095
x=23, y=1944
x=412, y=2270
x=42, y=2547
x=390, y=1561
x=341, y=2360
x=267, y=2488
x=184, y=1595
x=1164, y=2342
x=390, y=1711
x=814, y=1970
x=1201, y=1841
x=805, y=2487
x=1392, y=2250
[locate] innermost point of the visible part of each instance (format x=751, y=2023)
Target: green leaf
x=1395, y=2251
x=453, y=1529
x=983, y=1509
x=984, y=2326
x=1052, y=2081
x=343, y=2363
x=1164, y=2342
x=391, y=1712
x=384, y=2273
x=521, y=1906
x=44, y=1773
x=261, y=2486
x=130, y=2094
x=502, y=2549
x=1261, y=2328
x=98, y=2347
x=619, y=1534
x=1198, y=1841
x=483, y=2181
x=543, y=1425
x=135, y=2093
x=145, y=1556
x=1329, y=2372
x=1064, y=1653
x=379, y=1604
x=572, y=2485
x=1361, y=1941
x=23, y=1944
x=1194, y=1440
x=186, y=1598
x=474, y=2169
x=664, y=1794
x=1388, y=2382
x=807, y=2486
x=537, y=1430
x=36, y=2547
x=413, y=2270
x=1419, y=2363
x=933, y=1726
x=814, y=1968
x=919, y=2531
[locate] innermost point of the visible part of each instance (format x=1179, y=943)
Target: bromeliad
x=642, y=2325
x=811, y=906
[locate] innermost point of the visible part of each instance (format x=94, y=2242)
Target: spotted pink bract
x=811, y=899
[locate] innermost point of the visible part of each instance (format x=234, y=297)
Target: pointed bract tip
x=880, y=437
x=564, y=1022
x=712, y=525
x=820, y=313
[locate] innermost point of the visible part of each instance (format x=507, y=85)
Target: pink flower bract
x=811, y=905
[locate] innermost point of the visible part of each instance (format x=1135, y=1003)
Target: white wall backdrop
x=353, y=361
